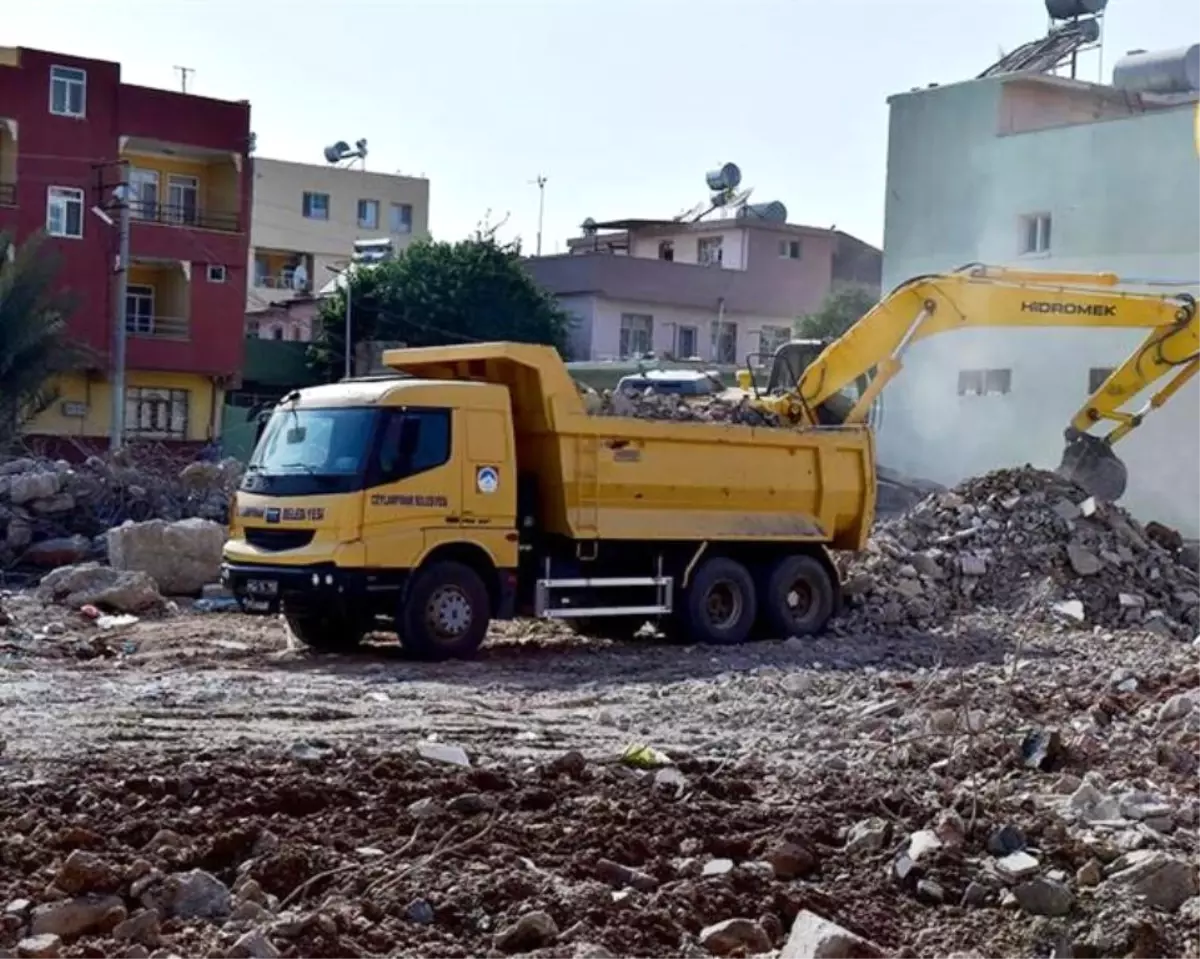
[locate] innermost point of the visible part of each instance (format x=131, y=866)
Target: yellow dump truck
x=474, y=485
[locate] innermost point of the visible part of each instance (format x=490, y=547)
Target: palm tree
x=34, y=343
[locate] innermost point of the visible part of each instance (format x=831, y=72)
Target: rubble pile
x=1030, y=544
x=51, y=512
x=320, y=851
x=897, y=492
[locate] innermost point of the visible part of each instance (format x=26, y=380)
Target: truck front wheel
x=446, y=613
x=719, y=606
x=327, y=632
x=798, y=597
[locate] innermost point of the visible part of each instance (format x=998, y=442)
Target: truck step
x=550, y=606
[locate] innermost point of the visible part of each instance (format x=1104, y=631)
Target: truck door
x=414, y=485
x=489, y=494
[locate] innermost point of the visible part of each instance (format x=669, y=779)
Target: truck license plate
x=262, y=587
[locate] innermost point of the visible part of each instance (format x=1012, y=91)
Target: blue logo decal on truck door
x=487, y=479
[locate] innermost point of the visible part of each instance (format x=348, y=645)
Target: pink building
x=712, y=289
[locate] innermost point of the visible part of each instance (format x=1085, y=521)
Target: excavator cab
x=789, y=363
x=1090, y=461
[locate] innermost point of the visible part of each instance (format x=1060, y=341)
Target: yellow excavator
x=811, y=381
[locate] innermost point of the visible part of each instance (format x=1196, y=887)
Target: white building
x=1044, y=173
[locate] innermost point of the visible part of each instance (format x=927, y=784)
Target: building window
x=789, y=249
x=277, y=333
x=144, y=202
x=316, y=206
x=771, y=338
x=64, y=211
x=637, y=334
x=984, y=382
x=666, y=250
x=724, y=342
x=1035, y=233
x=686, y=342
x=183, y=199
x=68, y=92
x=216, y=273
x=1096, y=377
x=252, y=327
x=400, y=218
x=156, y=414
x=368, y=214
x=708, y=251
x=139, y=309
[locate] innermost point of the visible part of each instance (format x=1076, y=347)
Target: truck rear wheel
x=719, y=606
x=327, y=632
x=798, y=597
x=446, y=613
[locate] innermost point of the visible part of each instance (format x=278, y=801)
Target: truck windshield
x=315, y=442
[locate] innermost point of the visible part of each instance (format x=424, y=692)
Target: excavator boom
x=975, y=296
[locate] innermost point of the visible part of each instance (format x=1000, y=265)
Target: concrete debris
x=90, y=584
x=813, y=937
x=69, y=505
x=181, y=557
x=724, y=938
x=1004, y=541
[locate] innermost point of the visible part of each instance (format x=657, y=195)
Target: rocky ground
x=994, y=752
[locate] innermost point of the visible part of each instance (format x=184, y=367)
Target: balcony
x=184, y=215
x=177, y=185
x=285, y=271
x=157, y=301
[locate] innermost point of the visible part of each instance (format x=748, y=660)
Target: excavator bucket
x=1089, y=461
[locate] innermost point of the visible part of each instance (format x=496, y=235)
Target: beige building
x=305, y=220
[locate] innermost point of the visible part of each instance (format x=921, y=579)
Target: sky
x=622, y=105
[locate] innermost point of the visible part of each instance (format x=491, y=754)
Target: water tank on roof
x=774, y=212
x=1159, y=71
x=726, y=178
x=1069, y=9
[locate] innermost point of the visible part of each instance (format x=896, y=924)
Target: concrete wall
x=1123, y=196
x=278, y=221
x=598, y=335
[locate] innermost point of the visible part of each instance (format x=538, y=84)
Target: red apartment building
x=68, y=128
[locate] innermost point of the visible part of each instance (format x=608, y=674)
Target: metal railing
x=185, y=215
x=284, y=281
x=158, y=327
x=8, y=194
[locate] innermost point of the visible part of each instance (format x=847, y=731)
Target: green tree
x=34, y=342
x=844, y=305
x=434, y=294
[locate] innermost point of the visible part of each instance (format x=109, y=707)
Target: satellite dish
x=589, y=227
x=337, y=151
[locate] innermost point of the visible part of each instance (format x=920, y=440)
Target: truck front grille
x=277, y=540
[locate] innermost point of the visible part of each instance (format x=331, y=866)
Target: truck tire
x=327, y=632
x=798, y=597
x=720, y=606
x=446, y=613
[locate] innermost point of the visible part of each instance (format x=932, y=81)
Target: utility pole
x=184, y=73
x=120, y=319
x=349, y=347
x=541, y=207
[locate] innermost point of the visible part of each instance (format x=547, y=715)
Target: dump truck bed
x=621, y=478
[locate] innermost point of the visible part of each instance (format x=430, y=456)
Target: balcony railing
x=157, y=327
x=8, y=194
x=185, y=215
x=284, y=281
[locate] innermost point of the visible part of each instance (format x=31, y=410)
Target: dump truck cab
x=354, y=485
x=476, y=486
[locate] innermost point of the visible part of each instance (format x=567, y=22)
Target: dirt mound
x=1028, y=543
x=347, y=854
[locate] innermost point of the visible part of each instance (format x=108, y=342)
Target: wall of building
x=1123, y=195
x=279, y=222
x=603, y=318
x=734, y=242
x=93, y=396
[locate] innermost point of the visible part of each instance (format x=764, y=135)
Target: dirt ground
x=210, y=742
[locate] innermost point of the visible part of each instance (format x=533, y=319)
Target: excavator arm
x=979, y=296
